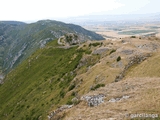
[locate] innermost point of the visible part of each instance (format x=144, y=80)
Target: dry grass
x=149, y=68
x=144, y=98
x=141, y=81
x=107, y=68
x=141, y=84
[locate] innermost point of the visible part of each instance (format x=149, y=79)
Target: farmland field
x=120, y=30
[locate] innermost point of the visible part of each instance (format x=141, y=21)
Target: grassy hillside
x=136, y=92
x=18, y=40
x=54, y=75
x=149, y=68
x=39, y=84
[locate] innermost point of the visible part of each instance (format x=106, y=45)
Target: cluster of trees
x=71, y=38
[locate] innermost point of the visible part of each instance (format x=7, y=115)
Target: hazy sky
x=31, y=10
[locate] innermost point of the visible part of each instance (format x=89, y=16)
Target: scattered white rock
x=119, y=99
x=63, y=107
x=94, y=100
x=101, y=50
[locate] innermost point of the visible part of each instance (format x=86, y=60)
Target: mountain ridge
x=19, y=40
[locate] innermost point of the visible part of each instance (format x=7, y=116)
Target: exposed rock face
x=54, y=113
x=119, y=99
x=82, y=62
x=1, y=79
x=94, y=100
x=127, y=52
x=1, y=82
x=150, y=47
x=18, y=55
x=88, y=60
x=101, y=50
x=133, y=60
x=44, y=42
x=118, y=64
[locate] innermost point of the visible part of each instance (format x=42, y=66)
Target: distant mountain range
x=90, y=19
x=12, y=22
x=19, y=40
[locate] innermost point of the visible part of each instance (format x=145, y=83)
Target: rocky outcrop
x=136, y=59
x=44, y=42
x=1, y=79
x=119, y=99
x=101, y=50
x=54, y=113
x=94, y=100
x=127, y=52
x=151, y=46
x=19, y=54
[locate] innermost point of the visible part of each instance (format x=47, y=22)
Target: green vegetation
x=119, y=58
x=112, y=51
x=133, y=36
x=97, y=86
x=69, y=38
x=39, y=82
x=71, y=87
x=95, y=44
x=133, y=32
x=19, y=40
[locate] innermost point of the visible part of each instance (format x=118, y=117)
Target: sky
x=33, y=10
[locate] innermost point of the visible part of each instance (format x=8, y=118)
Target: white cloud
x=43, y=9
x=24, y=10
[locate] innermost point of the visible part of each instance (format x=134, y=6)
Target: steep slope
x=131, y=83
x=90, y=81
x=19, y=40
x=123, y=100
x=39, y=83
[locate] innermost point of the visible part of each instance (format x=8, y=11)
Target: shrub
x=62, y=93
x=28, y=106
x=119, y=58
x=80, y=50
x=133, y=36
x=112, y=51
x=95, y=44
x=88, y=51
x=97, y=86
x=69, y=102
x=71, y=87
x=73, y=94
x=84, y=45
